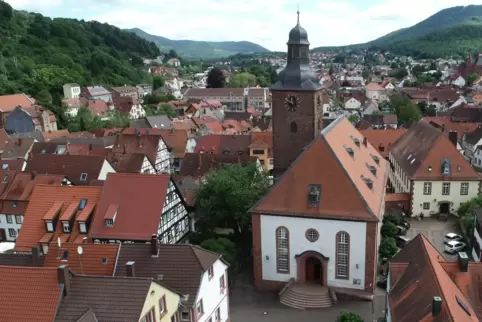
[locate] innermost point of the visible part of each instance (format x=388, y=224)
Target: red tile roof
x=381, y=140
x=344, y=191
x=138, y=214
x=22, y=185
x=96, y=259
x=41, y=201
x=29, y=293
x=134, y=143
x=446, y=123
x=174, y=139
x=9, y=102
x=262, y=139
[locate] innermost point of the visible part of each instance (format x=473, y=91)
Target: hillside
x=39, y=54
x=453, y=31
x=201, y=49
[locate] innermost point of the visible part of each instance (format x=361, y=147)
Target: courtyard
x=435, y=231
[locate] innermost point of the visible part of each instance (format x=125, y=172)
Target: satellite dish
x=58, y=242
x=80, y=250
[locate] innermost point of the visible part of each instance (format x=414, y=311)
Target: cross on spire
x=298, y=13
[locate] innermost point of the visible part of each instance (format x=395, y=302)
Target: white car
x=453, y=237
x=454, y=246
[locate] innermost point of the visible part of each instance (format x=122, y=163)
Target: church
x=316, y=232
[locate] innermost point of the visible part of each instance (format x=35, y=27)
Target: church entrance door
x=314, y=270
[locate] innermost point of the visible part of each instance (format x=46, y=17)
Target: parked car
x=453, y=237
x=402, y=241
x=382, y=282
x=454, y=246
x=401, y=230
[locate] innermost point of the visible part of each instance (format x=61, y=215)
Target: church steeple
x=298, y=74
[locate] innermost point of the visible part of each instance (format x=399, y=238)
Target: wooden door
x=310, y=270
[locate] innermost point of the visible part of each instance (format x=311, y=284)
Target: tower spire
x=298, y=13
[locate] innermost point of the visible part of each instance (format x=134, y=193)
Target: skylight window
x=82, y=204
x=350, y=151
x=105, y=260
x=5, y=179
x=5, y=166
x=83, y=177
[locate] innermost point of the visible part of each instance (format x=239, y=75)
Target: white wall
x=106, y=168
x=191, y=145
x=419, y=198
x=479, y=241
x=352, y=104
x=211, y=294
x=6, y=226
x=174, y=223
x=326, y=245
x=163, y=158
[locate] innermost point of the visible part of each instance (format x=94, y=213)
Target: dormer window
x=109, y=222
x=82, y=228
x=373, y=169
x=66, y=227
x=314, y=195
x=350, y=152
x=83, y=177
x=110, y=215
x=5, y=179
x=368, y=182
x=50, y=226
x=376, y=159
x=356, y=141
x=5, y=166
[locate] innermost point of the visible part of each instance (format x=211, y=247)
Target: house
x=161, y=122
x=470, y=142
x=57, y=148
x=477, y=243
x=78, y=169
x=381, y=121
x=124, y=91
x=304, y=233
x=71, y=91
x=174, y=62
x=204, y=286
x=30, y=119
x=17, y=149
x=97, y=93
x=101, y=108
x=130, y=107
x=16, y=189
x=477, y=98
x=131, y=163
x=233, y=98
x=457, y=80
x=152, y=146
x=382, y=140
x=257, y=97
x=427, y=165
x=447, y=124
x=14, y=165
x=144, y=89
x=223, y=144
x=376, y=92
x=57, y=212
x=32, y=259
x=262, y=147
x=352, y=104
x=163, y=214
x=371, y=108
x=162, y=71
x=9, y=102
x=477, y=158
x=422, y=286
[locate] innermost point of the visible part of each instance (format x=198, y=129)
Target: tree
x=466, y=214
x=216, y=78
x=349, y=317
x=353, y=118
x=157, y=82
x=404, y=108
x=472, y=78
x=166, y=109
x=392, y=219
x=398, y=73
x=222, y=246
x=225, y=197
x=389, y=229
x=243, y=80
x=388, y=247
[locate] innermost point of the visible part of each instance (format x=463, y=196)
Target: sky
x=265, y=22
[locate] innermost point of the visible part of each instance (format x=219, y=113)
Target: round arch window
x=312, y=235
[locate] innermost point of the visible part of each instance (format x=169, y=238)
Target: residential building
x=174, y=62
x=152, y=146
x=130, y=107
x=447, y=124
x=257, y=97
x=78, y=169
x=352, y=104
x=426, y=164
x=30, y=119
x=381, y=121
x=382, y=140
x=9, y=102
x=223, y=144
x=97, y=93
x=131, y=163
x=179, y=142
x=71, y=91
x=477, y=98
x=440, y=290
x=163, y=215
x=16, y=188
x=17, y=149
x=376, y=92
x=476, y=251
x=470, y=142
x=477, y=157
x=204, y=286
x=57, y=213
x=457, y=80
x=303, y=233
x=262, y=147
x=124, y=91
x=32, y=259
x=144, y=89
x=232, y=98
x=371, y=108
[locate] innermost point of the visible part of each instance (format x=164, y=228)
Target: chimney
x=453, y=137
x=200, y=160
x=36, y=256
x=436, y=305
x=443, y=127
x=463, y=262
x=131, y=269
x=63, y=277
x=90, y=147
x=154, y=246
x=365, y=141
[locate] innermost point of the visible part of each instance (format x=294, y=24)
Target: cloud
x=267, y=22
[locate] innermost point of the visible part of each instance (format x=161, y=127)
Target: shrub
x=349, y=317
x=391, y=218
x=389, y=229
x=388, y=247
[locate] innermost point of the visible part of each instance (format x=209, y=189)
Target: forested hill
x=39, y=54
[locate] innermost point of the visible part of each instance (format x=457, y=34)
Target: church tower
x=296, y=103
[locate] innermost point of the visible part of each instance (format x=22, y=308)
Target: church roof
x=349, y=183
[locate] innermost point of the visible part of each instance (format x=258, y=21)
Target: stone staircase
x=306, y=296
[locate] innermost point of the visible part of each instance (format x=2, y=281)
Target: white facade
x=478, y=240
x=477, y=158
x=10, y=225
x=106, y=169
x=71, y=91
x=459, y=82
x=212, y=295
x=174, y=223
x=163, y=158
x=380, y=96
x=326, y=245
x=389, y=86
x=421, y=201
x=352, y=104
x=147, y=166
x=137, y=111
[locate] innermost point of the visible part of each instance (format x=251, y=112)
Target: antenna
x=80, y=251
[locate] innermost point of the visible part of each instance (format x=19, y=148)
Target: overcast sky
x=266, y=22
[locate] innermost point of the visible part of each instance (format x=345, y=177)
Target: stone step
x=307, y=297
x=300, y=301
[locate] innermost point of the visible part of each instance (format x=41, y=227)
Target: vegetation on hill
x=38, y=55
x=453, y=32
x=201, y=49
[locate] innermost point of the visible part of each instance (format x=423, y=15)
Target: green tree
x=225, y=197
x=391, y=219
x=388, y=247
x=389, y=229
x=216, y=78
x=466, y=213
x=398, y=73
x=353, y=119
x=243, y=80
x=471, y=79
x=157, y=82
x=331, y=71
x=405, y=109
x=222, y=246
x=349, y=317
x=166, y=109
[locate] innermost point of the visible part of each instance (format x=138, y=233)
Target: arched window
x=342, y=255
x=294, y=127
x=283, y=250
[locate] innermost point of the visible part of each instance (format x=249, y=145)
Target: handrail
x=287, y=286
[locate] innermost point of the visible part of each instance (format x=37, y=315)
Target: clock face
x=292, y=102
